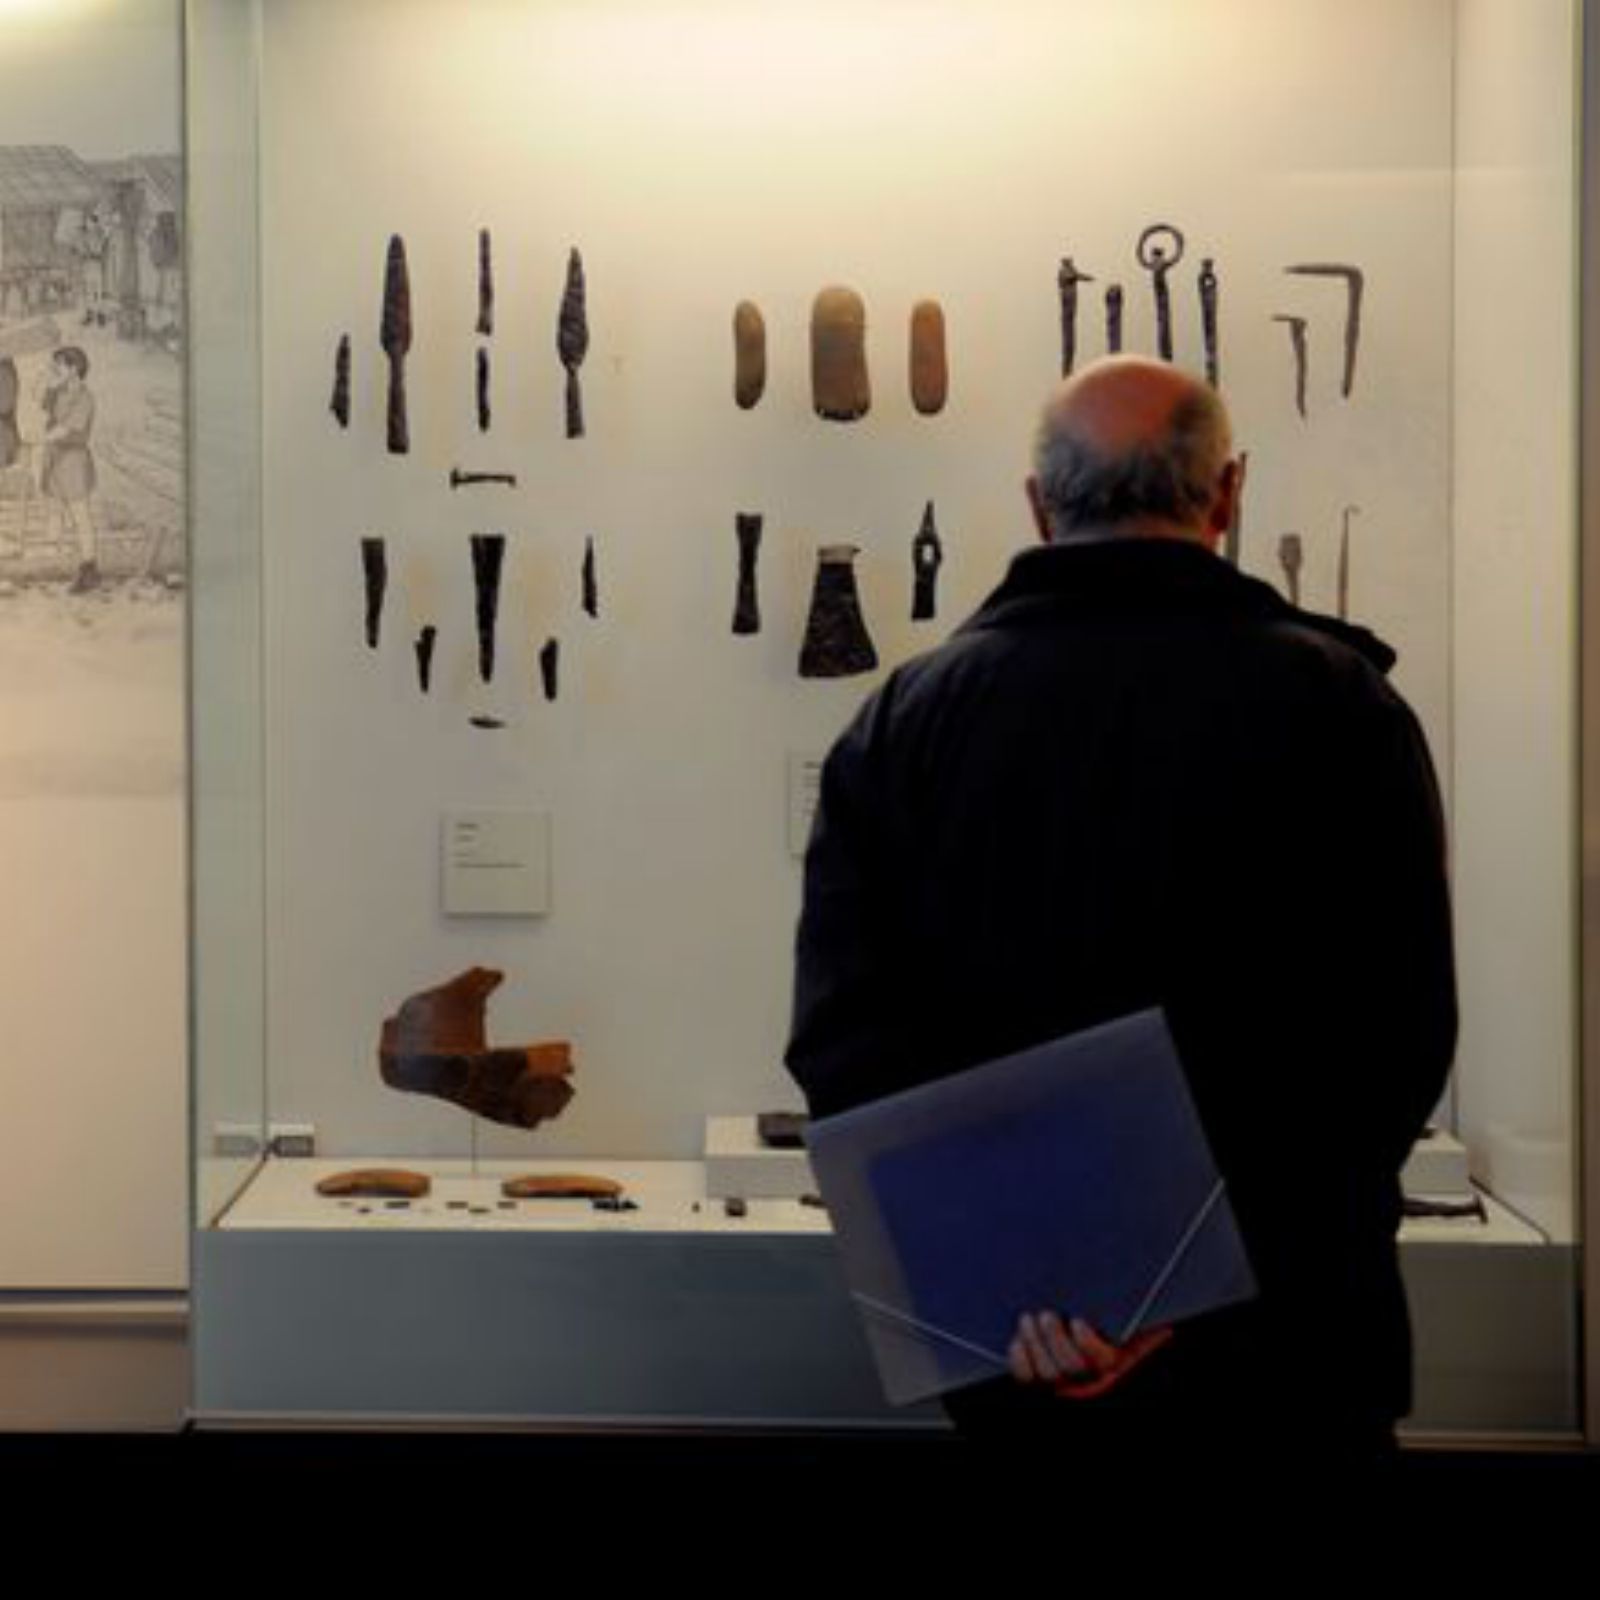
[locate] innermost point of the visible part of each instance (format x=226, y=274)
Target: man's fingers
x=1021, y=1366
x=1067, y=1355
x=1074, y=1357
x=1107, y=1372
x=1101, y=1354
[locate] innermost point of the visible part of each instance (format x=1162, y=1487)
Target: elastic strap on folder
x=906, y=1320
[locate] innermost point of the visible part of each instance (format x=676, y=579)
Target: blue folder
x=1074, y=1175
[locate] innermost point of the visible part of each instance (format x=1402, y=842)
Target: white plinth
x=738, y=1163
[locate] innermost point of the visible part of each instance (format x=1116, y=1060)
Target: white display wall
x=699, y=154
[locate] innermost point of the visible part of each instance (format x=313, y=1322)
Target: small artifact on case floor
x=1067, y=280
x=840, y=388
x=550, y=668
x=747, y=600
x=423, y=647
x=930, y=364
x=483, y=389
x=815, y=1201
x=461, y=479
x=561, y=1186
x=837, y=644
x=734, y=1207
x=1291, y=557
x=927, y=556
x=375, y=574
x=1114, y=320
x=490, y=723
x=488, y=558
x=1208, y=319
x=782, y=1130
x=1297, y=340
x=749, y=354
x=591, y=582
x=435, y=1044
x=1412, y=1206
x=376, y=1183
x=394, y=335
x=339, y=405
x=572, y=340
x=615, y=1203
x=1158, y=259
x=1355, y=283
x=485, y=284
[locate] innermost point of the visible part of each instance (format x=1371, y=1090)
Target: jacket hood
x=1093, y=576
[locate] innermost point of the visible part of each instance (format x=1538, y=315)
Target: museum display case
x=592, y=403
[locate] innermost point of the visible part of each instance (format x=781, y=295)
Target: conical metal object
x=837, y=644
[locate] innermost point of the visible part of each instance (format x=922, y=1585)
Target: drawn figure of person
x=67, y=472
x=93, y=244
x=10, y=439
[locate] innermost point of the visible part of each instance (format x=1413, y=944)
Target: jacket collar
x=1100, y=574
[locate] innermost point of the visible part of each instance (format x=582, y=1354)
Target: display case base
x=458, y=1311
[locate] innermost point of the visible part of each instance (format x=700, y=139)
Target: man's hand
x=1072, y=1357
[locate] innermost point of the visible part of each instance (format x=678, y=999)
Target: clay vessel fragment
x=435, y=1044
x=837, y=644
x=560, y=1186
x=930, y=370
x=749, y=355
x=376, y=1183
x=840, y=390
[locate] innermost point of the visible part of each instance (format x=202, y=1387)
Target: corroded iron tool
x=1208, y=318
x=1297, y=339
x=375, y=573
x=1355, y=283
x=394, y=335
x=1159, y=250
x=747, y=603
x=1114, y=320
x=572, y=339
x=488, y=558
x=1291, y=557
x=1067, y=280
x=339, y=405
x=927, y=556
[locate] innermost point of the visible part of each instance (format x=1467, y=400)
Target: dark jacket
x=1137, y=777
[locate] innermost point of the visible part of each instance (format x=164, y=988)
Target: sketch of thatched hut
x=144, y=247
x=46, y=197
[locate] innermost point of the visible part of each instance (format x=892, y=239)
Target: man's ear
x=1036, y=506
x=1224, y=504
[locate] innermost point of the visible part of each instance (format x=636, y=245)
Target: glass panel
x=508, y=687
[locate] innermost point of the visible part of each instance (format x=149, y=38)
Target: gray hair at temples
x=1085, y=487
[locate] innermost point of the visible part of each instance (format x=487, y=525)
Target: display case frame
x=286, y=1326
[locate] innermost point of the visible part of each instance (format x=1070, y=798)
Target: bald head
x=1132, y=446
